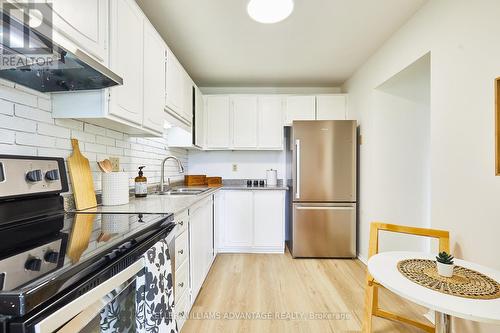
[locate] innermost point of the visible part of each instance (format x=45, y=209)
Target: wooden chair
x=371, y=292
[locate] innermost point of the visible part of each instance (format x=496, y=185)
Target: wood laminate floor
x=276, y=293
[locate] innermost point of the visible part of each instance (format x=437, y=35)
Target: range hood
x=45, y=66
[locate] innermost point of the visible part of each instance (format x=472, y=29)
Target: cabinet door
x=331, y=107
x=208, y=231
x=154, y=80
x=187, y=95
x=196, y=249
x=244, y=121
x=218, y=122
x=84, y=23
x=127, y=22
x=174, y=84
x=219, y=220
x=238, y=219
x=300, y=108
x=199, y=119
x=271, y=122
x=269, y=226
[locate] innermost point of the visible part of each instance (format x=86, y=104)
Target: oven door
x=110, y=307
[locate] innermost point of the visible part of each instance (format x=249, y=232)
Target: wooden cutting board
x=81, y=178
x=195, y=180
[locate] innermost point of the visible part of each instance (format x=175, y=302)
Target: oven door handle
x=88, y=301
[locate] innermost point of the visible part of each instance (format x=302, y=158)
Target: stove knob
x=34, y=264
x=52, y=257
x=52, y=175
x=34, y=175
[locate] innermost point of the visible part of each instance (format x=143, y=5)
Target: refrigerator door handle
x=297, y=168
x=323, y=208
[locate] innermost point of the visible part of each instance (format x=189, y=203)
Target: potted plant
x=445, y=264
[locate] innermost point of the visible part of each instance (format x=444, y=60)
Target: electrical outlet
x=235, y=167
x=115, y=163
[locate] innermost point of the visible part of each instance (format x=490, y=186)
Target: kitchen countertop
x=154, y=204
x=172, y=204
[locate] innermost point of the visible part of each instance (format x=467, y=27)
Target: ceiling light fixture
x=269, y=11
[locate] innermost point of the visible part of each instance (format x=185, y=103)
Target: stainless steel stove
x=50, y=258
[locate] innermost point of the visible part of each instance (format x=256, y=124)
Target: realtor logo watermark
x=26, y=35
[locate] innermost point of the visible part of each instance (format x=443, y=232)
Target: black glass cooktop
x=71, y=246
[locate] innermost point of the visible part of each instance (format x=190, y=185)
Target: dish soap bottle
x=141, y=184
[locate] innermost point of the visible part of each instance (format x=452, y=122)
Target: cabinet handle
x=181, y=314
x=181, y=284
x=180, y=251
x=181, y=223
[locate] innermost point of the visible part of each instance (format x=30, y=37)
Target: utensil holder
x=115, y=189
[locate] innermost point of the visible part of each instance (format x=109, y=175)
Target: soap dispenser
x=141, y=184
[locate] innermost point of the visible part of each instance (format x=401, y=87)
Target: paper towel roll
x=272, y=177
x=115, y=188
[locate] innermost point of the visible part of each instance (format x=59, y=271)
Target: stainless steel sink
x=184, y=191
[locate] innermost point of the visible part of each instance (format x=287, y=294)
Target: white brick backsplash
x=122, y=144
x=52, y=152
x=65, y=143
x=82, y=136
x=104, y=140
x=17, y=124
x=17, y=150
x=114, y=134
x=52, y=130
x=27, y=128
x=45, y=104
x=18, y=96
x=114, y=151
x=70, y=123
x=7, y=136
x=28, y=112
x=29, y=139
x=95, y=129
x=6, y=107
x=95, y=148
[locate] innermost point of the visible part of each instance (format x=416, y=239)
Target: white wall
x=27, y=128
x=251, y=164
x=462, y=38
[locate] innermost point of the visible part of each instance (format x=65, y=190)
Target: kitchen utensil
x=115, y=190
x=105, y=166
x=272, y=177
x=195, y=180
x=214, y=181
x=81, y=178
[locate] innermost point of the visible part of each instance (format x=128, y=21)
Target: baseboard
x=262, y=250
x=363, y=260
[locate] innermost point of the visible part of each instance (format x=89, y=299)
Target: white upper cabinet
x=270, y=122
x=300, y=108
x=174, y=92
x=187, y=106
x=244, y=121
x=84, y=23
x=126, y=59
x=154, y=83
x=331, y=107
x=199, y=119
x=217, y=111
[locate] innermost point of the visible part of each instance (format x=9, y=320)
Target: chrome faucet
x=162, y=177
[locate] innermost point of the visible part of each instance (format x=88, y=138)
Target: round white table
x=383, y=267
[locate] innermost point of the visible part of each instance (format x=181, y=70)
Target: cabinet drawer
x=181, y=249
x=182, y=311
x=181, y=281
x=181, y=220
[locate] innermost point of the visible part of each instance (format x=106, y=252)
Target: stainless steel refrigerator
x=323, y=198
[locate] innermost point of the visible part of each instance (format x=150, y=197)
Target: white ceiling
x=321, y=44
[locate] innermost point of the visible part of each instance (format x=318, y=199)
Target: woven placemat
x=464, y=283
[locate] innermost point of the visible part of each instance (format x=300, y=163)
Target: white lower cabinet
x=201, y=243
x=250, y=221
